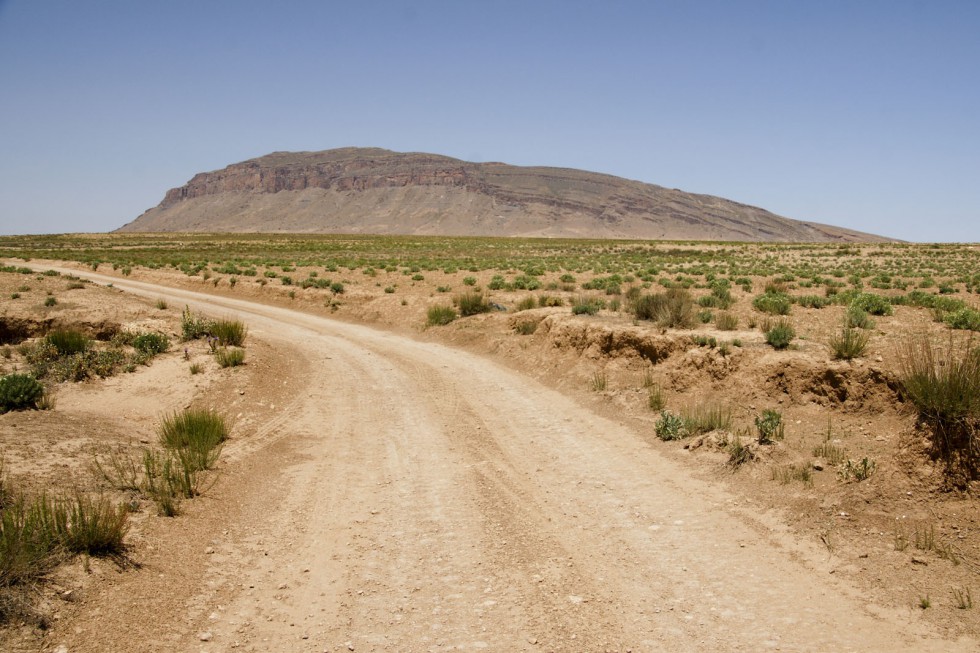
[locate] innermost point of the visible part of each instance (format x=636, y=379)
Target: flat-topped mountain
x=375, y=191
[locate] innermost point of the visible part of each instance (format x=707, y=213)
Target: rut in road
x=442, y=502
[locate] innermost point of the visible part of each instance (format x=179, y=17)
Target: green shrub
x=773, y=303
x=848, y=343
x=151, y=343
x=526, y=327
x=497, y=283
x=706, y=417
x=229, y=332
x=769, y=426
x=337, y=288
x=859, y=471
x=857, y=317
x=726, y=321
x=964, y=318
x=19, y=392
x=944, y=386
x=673, y=308
x=440, y=315
x=584, y=305
x=779, y=334
x=471, y=303
x=195, y=432
x=68, y=341
x=29, y=546
x=194, y=326
x=50, y=301
x=873, y=304
x=655, y=398
x=669, y=426
x=469, y=281
x=89, y=526
x=812, y=301
x=229, y=357
x=526, y=304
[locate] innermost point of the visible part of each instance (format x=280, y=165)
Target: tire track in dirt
x=444, y=503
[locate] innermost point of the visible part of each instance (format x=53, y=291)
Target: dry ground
x=384, y=491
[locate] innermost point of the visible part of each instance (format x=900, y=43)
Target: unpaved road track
x=435, y=501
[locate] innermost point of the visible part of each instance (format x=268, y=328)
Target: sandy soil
x=382, y=492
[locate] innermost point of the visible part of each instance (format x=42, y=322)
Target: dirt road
x=420, y=498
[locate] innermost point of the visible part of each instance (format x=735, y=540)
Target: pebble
x=205, y=636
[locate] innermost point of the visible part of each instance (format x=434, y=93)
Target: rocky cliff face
x=362, y=190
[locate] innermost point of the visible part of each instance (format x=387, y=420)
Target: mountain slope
x=368, y=190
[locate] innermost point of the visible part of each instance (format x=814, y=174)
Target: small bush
x=674, y=308
x=93, y=527
x=19, y=392
x=526, y=327
x=440, y=315
x=857, y=317
x=50, y=301
x=964, y=318
x=67, y=341
x=230, y=333
x=812, y=301
x=769, y=426
x=858, y=471
x=780, y=334
x=707, y=417
x=526, y=304
x=669, y=426
x=656, y=399
x=848, y=343
x=194, y=326
x=151, y=343
x=337, y=288
x=197, y=433
x=584, y=305
x=471, y=303
x=598, y=382
x=872, y=304
x=773, y=303
x=161, y=304
x=469, y=281
x=944, y=386
x=726, y=322
x=738, y=453
x=229, y=357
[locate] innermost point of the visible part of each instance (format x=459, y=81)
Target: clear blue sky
x=859, y=114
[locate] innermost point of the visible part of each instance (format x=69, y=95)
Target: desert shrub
x=812, y=301
x=526, y=327
x=598, y=381
x=655, y=398
x=857, y=317
x=91, y=526
x=195, y=433
x=669, y=426
x=471, y=303
x=469, y=281
x=547, y=301
x=769, y=426
x=706, y=417
x=944, y=386
x=497, y=283
x=67, y=341
x=229, y=332
x=848, y=343
x=228, y=357
x=584, y=305
x=440, y=315
x=194, y=326
x=673, y=308
x=856, y=470
x=19, y=392
x=738, y=453
x=29, y=546
x=151, y=343
x=964, y=318
x=726, y=321
x=779, y=334
x=873, y=304
x=78, y=367
x=337, y=288
x=50, y=301
x=526, y=304
x=773, y=303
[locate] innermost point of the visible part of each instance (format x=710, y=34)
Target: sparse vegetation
x=19, y=392
x=770, y=426
x=848, y=343
x=858, y=471
x=440, y=315
x=471, y=303
x=229, y=356
x=779, y=334
x=670, y=426
x=944, y=386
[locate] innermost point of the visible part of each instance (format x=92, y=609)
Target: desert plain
x=491, y=444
